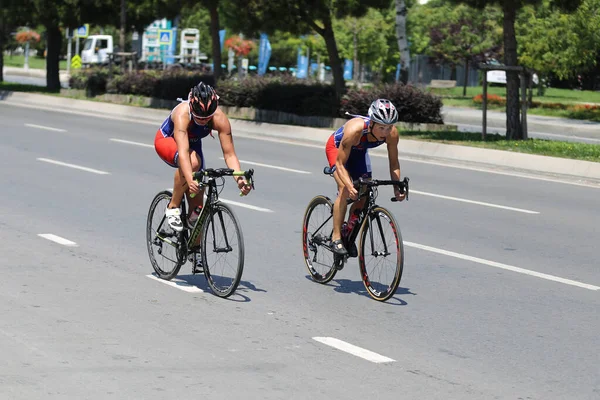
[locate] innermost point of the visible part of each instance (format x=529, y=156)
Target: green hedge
x=285, y=94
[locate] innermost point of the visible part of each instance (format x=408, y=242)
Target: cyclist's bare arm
x=352, y=133
x=181, y=120
x=392, y=146
x=223, y=126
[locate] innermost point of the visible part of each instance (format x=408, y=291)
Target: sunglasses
x=202, y=119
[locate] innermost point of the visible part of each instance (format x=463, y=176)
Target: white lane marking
x=179, y=284
x=45, y=128
x=354, y=350
x=57, y=239
x=474, y=202
x=298, y=171
x=503, y=266
x=130, y=142
x=95, y=171
x=235, y=203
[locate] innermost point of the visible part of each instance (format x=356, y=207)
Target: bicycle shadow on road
x=348, y=286
x=199, y=281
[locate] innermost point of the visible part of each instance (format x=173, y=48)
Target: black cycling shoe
x=338, y=247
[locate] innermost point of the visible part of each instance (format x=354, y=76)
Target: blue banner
x=222, y=38
x=302, y=71
x=348, y=64
x=398, y=72
x=264, y=54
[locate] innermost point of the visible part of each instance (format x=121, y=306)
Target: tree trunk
x=123, y=22
x=513, y=126
x=466, y=78
x=355, y=63
x=334, y=58
x=216, y=40
x=54, y=41
x=1, y=46
x=401, y=11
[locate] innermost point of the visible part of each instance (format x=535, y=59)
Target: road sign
x=165, y=36
x=83, y=31
x=76, y=62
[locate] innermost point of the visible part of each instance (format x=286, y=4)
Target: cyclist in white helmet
x=347, y=154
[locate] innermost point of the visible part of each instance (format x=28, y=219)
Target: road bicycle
x=380, y=240
x=214, y=237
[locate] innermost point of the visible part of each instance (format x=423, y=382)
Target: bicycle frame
x=206, y=178
x=370, y=205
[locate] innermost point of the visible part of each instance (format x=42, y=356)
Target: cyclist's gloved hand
x=243, y=185
x=193, y=185
x=399, y=196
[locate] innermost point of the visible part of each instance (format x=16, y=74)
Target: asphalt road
x=499, y=297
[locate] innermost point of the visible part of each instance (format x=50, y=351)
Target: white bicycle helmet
x=383, y=112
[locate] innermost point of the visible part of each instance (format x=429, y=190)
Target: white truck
x=96, y=49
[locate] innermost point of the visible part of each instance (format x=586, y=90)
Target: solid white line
x=95, y=171
x=130, y=142
x=179, y=284
x=354, y=350
x=45, y=127
x=474, y=202
x=503, y=266
x=235, y=203
x=298, y=171
x=57, y=239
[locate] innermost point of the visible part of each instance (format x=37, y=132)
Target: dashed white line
x=57, y=239
x=133, y=143
x=179, y=284
x=502, y=266
x=94, y=171
x=298, y=171
x=45, y=128
x=474, y=202
x=354, y=350
x=235, y=203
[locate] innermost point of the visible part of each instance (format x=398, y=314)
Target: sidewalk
x=495, y=159
x=32, y=72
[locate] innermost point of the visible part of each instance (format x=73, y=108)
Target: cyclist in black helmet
x=178, y=142
x=347, y=154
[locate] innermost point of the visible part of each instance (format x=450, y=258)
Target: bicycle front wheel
x=166, y=248
x=381, y=254
x=222, y=250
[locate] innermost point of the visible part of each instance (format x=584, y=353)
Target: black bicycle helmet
x=203, y=100
x=383, y=111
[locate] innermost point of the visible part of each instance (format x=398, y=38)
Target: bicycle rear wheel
x=317, y=229
x=222, y=250
x=381, y=258
x=166, y=248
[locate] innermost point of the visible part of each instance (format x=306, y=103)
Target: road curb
x=319, y=136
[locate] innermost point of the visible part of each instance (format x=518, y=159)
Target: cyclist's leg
x=339, y=206
x=197, y=158
x=166, y=148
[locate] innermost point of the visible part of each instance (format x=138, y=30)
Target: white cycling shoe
x=174, y=218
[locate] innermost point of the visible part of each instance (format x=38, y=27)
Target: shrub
x=413, y=104
x=285, y=94
x=93, y=80
x=174, y=83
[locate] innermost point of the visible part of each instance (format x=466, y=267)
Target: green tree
x=302, y=16
x=509, y=10
x=463, y=35
x=11, y=16
x=364, y=39
x=554, y=42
